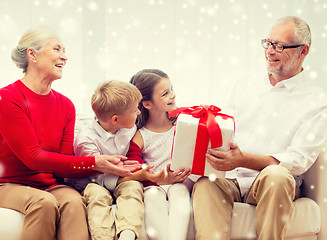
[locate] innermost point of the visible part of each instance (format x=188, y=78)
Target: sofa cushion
x=306, y=220
x=11, y=224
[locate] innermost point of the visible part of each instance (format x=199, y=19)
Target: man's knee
x=203, y=184
x=277, y=174
x=277, y=178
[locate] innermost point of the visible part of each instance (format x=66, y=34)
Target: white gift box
x=185, y=139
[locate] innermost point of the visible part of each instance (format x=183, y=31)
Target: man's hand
x=113, y=164
x=225, y=161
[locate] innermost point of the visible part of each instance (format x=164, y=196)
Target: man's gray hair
x=302, y=32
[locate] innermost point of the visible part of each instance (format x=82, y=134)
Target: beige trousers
x=272, y=192
x=129, y=213
x=58, y=212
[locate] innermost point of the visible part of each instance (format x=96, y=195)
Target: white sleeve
x=306, y=143
x=84, y=146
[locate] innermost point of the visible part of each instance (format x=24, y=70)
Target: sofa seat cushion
x=11, y=224
x=306, y=220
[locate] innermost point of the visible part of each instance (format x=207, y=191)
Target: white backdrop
x=203, y=45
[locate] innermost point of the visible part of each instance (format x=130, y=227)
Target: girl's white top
x=157, y=148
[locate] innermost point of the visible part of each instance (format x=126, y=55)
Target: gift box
x=197, y=129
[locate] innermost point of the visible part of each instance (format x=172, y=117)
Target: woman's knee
x=44, y=203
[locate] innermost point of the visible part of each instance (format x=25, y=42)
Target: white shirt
x=93, y=140
x=287, y=121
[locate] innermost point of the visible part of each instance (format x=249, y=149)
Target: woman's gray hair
x=33, y=38
x=302, y=32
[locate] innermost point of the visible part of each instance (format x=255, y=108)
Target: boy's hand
x=111, y=165
x=131, y=165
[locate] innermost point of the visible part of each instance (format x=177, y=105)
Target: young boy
x=115, y=105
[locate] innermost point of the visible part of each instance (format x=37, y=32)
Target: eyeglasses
x=276, y=46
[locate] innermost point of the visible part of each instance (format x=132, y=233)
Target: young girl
x=154, y=141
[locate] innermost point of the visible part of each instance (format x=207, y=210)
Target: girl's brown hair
x=145, y=80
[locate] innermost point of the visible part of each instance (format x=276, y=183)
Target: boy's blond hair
x=113, y=98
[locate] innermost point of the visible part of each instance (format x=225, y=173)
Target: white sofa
x=309, y=221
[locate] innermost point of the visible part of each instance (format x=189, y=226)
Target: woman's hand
x=115, y=164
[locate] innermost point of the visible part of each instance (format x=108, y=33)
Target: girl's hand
x=175, y=176
x=156, y=177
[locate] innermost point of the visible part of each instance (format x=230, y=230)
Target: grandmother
x=36, y=144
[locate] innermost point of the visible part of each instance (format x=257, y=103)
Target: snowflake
x=93, y=6
x=310, y=137
x=313, y=74
x=212, y=177
x=152, y=233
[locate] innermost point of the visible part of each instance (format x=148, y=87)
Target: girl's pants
x=129, y=213
x=167, y=214
x=58, y=212
x=272, y=192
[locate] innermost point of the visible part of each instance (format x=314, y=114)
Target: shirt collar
x=123, y=132
x=292, y=82
x=102, y=132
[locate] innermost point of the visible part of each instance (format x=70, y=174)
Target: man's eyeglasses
x=276, y=46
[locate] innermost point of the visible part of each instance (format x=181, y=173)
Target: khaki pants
x=58, y=212
x=272, y=192
x=129, y=214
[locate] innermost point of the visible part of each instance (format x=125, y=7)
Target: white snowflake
x=93, y=6
x=212, y=177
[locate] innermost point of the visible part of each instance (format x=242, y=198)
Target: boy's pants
x=129, y=212
x=55, y=212
x=272, y=192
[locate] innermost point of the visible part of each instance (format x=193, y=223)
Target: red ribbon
x=208, y=128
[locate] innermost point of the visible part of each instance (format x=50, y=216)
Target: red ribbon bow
x=208, y=128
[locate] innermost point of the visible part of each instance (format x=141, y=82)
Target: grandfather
x=280, y=129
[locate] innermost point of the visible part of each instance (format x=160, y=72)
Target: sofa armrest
x=315, y=187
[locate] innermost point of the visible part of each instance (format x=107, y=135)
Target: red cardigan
x=36, y=138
